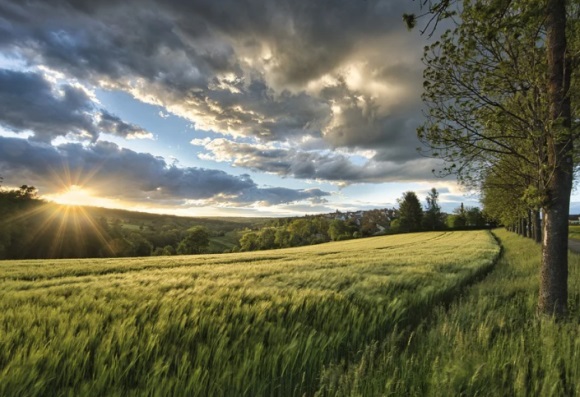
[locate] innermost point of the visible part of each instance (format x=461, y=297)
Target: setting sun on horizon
x=76, y=195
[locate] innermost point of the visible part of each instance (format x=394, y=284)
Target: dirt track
x=574, y=245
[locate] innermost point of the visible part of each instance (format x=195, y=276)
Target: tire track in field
x=421, y=316
x=115, y=269
x=30, y=282
x=437, y=237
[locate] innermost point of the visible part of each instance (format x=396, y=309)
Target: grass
x=487, y=343
x=224, y=243
x=290, y=322
x=574, y=232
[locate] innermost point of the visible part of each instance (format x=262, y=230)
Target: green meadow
x=426, y=314
x=488, y=342
x=269, y=323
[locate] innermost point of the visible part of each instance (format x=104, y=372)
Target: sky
x=215, y=107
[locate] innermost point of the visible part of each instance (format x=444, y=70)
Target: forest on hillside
x=31, y=228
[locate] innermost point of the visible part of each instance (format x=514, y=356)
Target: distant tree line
x=297, y=232
x=410, y=217
x=315, y=229
x=33, y=228
x=413, y=218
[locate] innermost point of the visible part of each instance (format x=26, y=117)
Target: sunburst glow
x=74, y=195
x=62, y=231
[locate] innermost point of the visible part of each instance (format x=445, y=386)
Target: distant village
x=383, y=217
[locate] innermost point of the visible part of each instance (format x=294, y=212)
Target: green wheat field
x=415, y=314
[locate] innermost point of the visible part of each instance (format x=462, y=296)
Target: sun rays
x=60, y=230
x=62, y=225
x=74, y=195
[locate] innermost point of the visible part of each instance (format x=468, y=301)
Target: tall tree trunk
x=537, y=227
x=554, y=270
x=554, y=273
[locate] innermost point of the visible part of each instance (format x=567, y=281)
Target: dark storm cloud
x=315, y=165
x=256, y=110
x=307, y=38
x=114, y=125
x=359, y=122
x=30, y=103
x=124, y=174
x=345, y=71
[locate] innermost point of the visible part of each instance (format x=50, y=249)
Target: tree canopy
x=497, y=89
x=196, y=241
x=433, y=217
x=410, y=213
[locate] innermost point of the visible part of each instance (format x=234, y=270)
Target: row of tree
x=502, y=94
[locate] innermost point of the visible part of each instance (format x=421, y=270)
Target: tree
x=158, y=251
x=499, y=86
x=282, y=238
x=195, y=241
x=301, y=230
x=560, y=144
x=321, y=225
x=339, y=230
x=249, y=242
x=433, y=217
x=509, y=196
x=474, y=217
x=457, y=220
x=164, y=251
x=395, y=225
x=138, y=245
x=410, y=213
x=169, y=250
x=267, y=239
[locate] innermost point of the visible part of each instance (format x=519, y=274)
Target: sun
x=79, y=196
x=74, y=195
